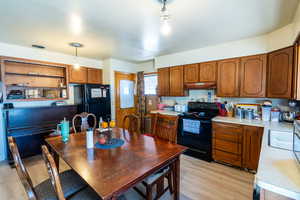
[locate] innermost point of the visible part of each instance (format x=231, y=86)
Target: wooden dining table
x=111, y=172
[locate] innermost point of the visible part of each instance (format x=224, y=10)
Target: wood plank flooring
x=200, y=180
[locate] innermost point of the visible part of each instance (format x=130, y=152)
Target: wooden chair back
x=84, y=121
x=165, y=127
x=21, y=170
x=53, y=173
x=131, y=122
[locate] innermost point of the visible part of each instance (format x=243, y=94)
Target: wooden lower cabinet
x=237, y=145
x=252, y=138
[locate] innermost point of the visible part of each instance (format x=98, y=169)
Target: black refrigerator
x=93, y=98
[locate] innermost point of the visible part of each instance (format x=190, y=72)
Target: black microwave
x=296, y=140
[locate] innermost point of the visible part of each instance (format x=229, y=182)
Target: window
x=126, y=94
x=150, y=84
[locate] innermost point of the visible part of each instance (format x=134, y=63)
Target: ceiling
x=130, y=29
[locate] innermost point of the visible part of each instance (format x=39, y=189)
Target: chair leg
x=149, y=192
x=170, y=183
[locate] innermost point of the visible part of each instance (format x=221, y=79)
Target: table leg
x=176, y=178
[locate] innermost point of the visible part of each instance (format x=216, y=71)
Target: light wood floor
x=200, y=180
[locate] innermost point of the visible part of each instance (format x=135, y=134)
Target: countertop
x=278, y=170
x=165, y=112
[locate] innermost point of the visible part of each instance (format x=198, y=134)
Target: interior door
x=125, y=98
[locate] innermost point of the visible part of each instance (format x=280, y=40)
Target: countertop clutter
x=165, y=112
x=278, y=171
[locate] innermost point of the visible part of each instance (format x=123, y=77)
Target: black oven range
x=195, y=129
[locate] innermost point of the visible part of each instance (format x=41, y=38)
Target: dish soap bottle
x=100, y=122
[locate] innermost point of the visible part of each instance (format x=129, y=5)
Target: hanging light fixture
x=165, y=18
x=76, y=45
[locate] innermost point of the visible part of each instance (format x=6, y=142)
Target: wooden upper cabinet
x=228, y=78
x=94, y=76
x=253, y=76
x=163, y=82
x=280, y=72
x=176, y=81
x=252, y=138
x=208, y=72
x=191, y=73
x=77, y=75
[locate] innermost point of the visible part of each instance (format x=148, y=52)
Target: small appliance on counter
x=288, y=116
x=275, y=115
x=247, y=111
x=180, y=108
x=289, y=113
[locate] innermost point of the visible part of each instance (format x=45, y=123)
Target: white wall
x=244, y=47
x=280, y=38
x=277, y=39
x=44, y=55
x=110, y=66
x=296, y=23
x=147, y=66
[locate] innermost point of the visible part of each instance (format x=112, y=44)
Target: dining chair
x=131, y=122
x=85, y=120
x=87, y=193
x=84, y=194
x=165, y=127
x=72, y=183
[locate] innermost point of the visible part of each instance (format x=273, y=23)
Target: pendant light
x=165, y=17
x=76, y=45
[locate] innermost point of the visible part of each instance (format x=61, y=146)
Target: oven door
x=195, y=134
x=296, y=142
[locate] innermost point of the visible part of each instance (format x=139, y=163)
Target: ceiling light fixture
x=76, y=45
x=165, y=18
x=38, y=46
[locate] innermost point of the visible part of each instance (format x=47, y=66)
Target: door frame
x=117, y=90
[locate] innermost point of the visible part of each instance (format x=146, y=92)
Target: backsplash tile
x=202, y=95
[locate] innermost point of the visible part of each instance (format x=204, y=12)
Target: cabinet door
x=228, y=78
x=163, y=82
x=252, y=138
x=94, y=76
x=191, y=73
x=77, y=75
x=176, y=81
x=208, y=72
x=280, y=69
x=253, y=76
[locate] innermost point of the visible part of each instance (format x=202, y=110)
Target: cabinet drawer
x=229, y=158
x=230, y=147
x=227, y=132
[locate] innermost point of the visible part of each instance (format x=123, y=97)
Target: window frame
x=151, y=74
